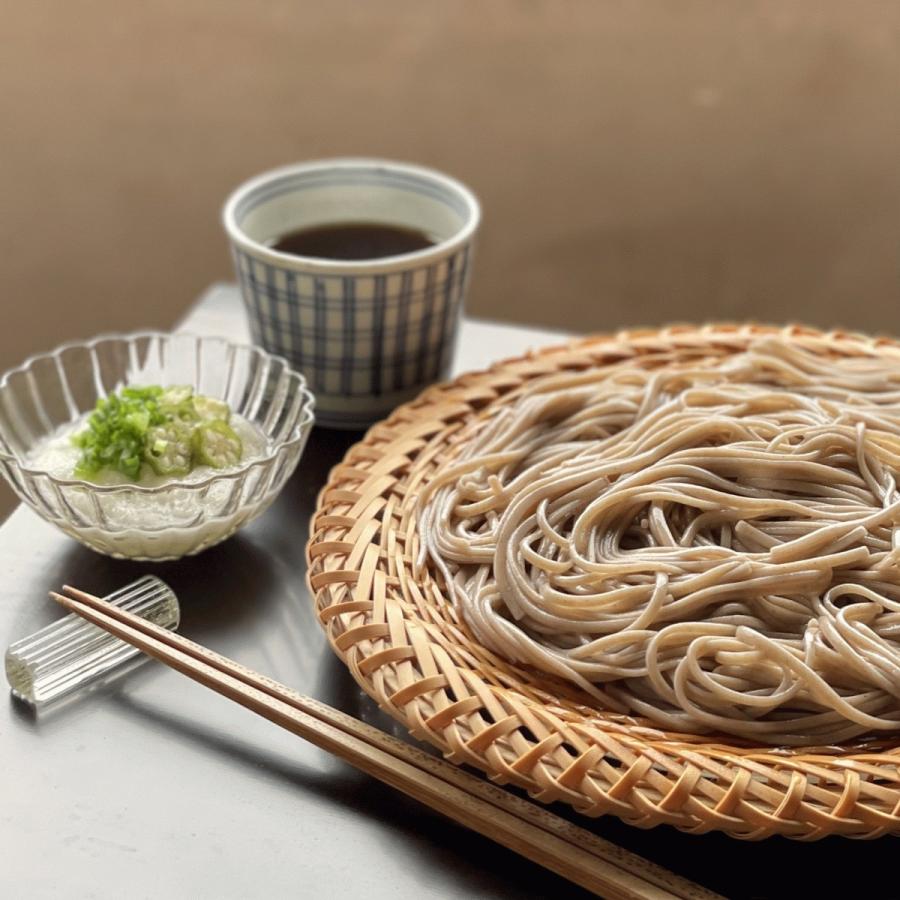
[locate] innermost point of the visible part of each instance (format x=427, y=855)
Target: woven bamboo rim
x=404, y=645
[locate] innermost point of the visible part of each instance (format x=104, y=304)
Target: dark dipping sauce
x=352, y=240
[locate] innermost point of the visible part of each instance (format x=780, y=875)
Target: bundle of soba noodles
x=713, y=545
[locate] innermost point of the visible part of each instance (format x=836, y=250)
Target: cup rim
x=317, y=264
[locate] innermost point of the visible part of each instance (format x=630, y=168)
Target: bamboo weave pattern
x=403, y=643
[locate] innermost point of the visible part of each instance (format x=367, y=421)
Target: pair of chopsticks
x=516, y=823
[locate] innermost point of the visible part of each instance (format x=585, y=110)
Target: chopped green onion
x=171, y=429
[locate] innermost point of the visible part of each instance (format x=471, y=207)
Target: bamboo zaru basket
x=404, y=644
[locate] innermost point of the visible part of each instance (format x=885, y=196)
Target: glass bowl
x=50, y=392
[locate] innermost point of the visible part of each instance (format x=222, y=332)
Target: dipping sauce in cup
x=355, y=270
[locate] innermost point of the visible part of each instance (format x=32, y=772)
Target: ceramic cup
x=367, y=334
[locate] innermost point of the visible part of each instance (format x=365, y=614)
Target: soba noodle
x=712, y=545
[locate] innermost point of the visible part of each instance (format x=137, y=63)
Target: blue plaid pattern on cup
x=366, y=334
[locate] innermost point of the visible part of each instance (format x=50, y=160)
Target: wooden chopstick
x=532, y=831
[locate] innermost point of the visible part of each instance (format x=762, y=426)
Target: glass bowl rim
x=298, y=432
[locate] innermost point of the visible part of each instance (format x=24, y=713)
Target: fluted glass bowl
x=50, y=392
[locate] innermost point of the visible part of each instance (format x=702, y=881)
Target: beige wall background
x=639, y=161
